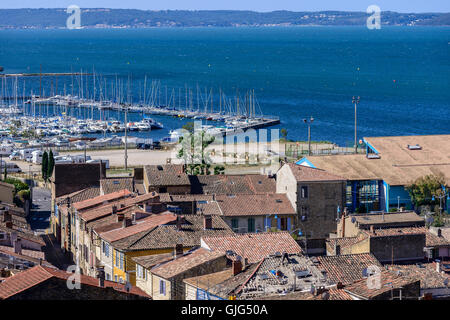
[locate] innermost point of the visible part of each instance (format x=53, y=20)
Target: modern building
x=376, y=181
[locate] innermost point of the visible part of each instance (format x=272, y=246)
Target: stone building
x=316, y=196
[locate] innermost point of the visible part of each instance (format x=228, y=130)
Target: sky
x=415, y=6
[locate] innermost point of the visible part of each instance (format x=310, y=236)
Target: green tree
x=51, y=164
x=44, y=166
x=192, y=150
x=219, y=170
x=423, y=189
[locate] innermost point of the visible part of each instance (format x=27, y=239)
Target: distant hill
x=131, y=18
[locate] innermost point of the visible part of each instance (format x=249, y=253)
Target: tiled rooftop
x=347, y=268
x=409, y=217
x=167, y=236
x=255, y=204
x=425, y=272
x=253, y=246
x=188, y=261
x=38, y=274
x=100, y=200
x=142, y=225
x=111, y=185
x=389, y=280
x=308, y=174
x=166, y=175
x=232, y=184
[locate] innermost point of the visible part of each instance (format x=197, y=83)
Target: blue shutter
x=289, y=224
x=279, y=223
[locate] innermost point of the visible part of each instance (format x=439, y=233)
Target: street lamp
x=308, y=122
x=440, y=197
x=355, y=100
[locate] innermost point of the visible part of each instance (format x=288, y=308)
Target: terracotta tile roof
x=25, y=252
x=79, y=196
x=253, y=246
x=255, y=204
x=431, y=239
x=207, y=281
x=389, y=279
x=303, y=173
x=38, y=274
x=208, y=207
x=344, y=242
x=23, y=233
x=188, y=261
x=104, y=210
x=347, y=268
x=83, y=205
x=167, y=236
x=111, y=222
x=152, y=260
x=223, y=284
x=232, y=184
x=446, y=233
x=166, y=175
x=27, y=255
x=425, y=272
x=334, y=294
x=146, y=224
x=409, y=217
x=111, y=185
x=165, y=197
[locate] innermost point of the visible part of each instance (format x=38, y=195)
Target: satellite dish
x=353, y=219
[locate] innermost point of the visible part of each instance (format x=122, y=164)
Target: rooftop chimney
x=439, y=232
x=178, y=250
x=133, y=218
x=114, y=209
x=371, y=230
x=207, y=222
x=236, y=267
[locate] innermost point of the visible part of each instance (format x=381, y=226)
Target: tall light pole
x=308, y=122
x=355, y=100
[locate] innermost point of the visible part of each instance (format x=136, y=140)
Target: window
x=140, y=271
x=304, y=192
x=235, y=224
x=251, y=225
x=2, y=236
x=121, y=260
x=115, y=278
x=162, y=287
x=163, y=190
x=304, y=213
x=108, y=276
x=106, y=250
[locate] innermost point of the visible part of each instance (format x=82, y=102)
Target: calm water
x=401, y=73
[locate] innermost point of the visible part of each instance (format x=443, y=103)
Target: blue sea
x=400, y=73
